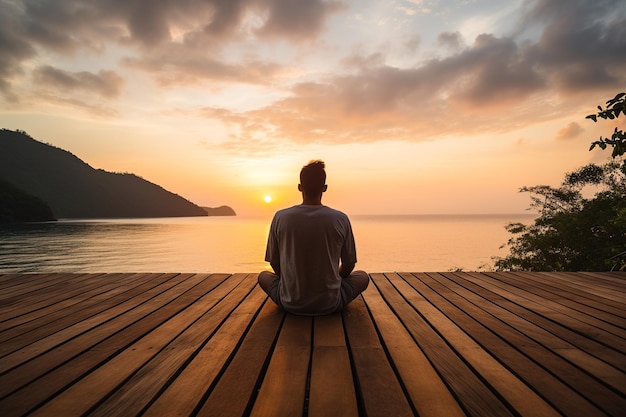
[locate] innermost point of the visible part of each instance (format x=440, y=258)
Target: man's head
x=313, y=179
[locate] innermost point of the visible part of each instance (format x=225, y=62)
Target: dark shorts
x=350, y=287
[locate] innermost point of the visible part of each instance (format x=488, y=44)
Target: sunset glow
x=416, y=106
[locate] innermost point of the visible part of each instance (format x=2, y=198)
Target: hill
x=18, y=206
x=73, y=189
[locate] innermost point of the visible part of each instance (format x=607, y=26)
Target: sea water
x=237, y=244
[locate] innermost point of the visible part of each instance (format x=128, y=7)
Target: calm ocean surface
x=237, y=244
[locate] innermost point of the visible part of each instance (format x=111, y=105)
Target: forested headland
x=73, y=189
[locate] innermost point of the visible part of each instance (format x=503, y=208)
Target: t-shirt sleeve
x=348, y=250
x=271, y=252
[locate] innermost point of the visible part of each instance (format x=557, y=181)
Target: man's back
x=311, y=250
x=308, y=242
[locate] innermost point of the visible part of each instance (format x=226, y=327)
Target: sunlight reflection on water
x=237, y=244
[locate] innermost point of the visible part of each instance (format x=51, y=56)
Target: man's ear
x=300, y=187
x=325, y=188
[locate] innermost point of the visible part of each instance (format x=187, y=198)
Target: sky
x=416, y=106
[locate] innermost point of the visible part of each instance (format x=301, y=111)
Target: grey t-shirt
x=308, y=242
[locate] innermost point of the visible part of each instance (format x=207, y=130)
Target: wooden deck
x=427, y=344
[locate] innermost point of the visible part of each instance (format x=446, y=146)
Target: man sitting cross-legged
x=312, y=251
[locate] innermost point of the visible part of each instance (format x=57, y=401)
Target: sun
x=267, y=198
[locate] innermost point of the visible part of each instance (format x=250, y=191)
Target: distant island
x=220, y=211
x=42, y=182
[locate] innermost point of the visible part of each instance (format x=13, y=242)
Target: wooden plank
x=50, y=312
x=612, y=279
x=550, y=334
x=579, y=322
x=476, y=398
x=427, y=391
x=593, y=285
x=47, y=321
x=41, y=378
x=557, y=323
x=283, y=390
x=37, y=294
x=508, y=386
x=600, y=370
x=584, y=313
x=45, y=344
x=126, y=322
x=580, y=300
x=89, y=391
x=194, y=357
x=23, y=282
x=429, y=344
x=187, y=390
x=9, y=280
x=542, y=346
x=44, y=293
x=379, y=391
x=332, y=384
x=577, y=387
x=238, y=385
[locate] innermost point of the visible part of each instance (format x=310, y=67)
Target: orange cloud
x=570, y=131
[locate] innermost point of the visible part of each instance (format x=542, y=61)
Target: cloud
x=198, y=56
x=296, y=19
x=87, y=105
x=452, y=40
x=570, y=131
x=561, y=51
x=153, y=22
x=584, y=43
x=66, y=27
x=493, y=69
x=14, y=50
x=414, y=7
x=494, y=85
x=104, y=83
x=190, y=69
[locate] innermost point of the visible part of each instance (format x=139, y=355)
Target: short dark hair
x=313, y=177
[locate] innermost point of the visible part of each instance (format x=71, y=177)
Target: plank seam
x=462, y=358
x=165, y=347
x=388, y=355
x=360, y=401
x=262, y=373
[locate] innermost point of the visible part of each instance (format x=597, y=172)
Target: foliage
x=573, y=233
x=614, y=107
